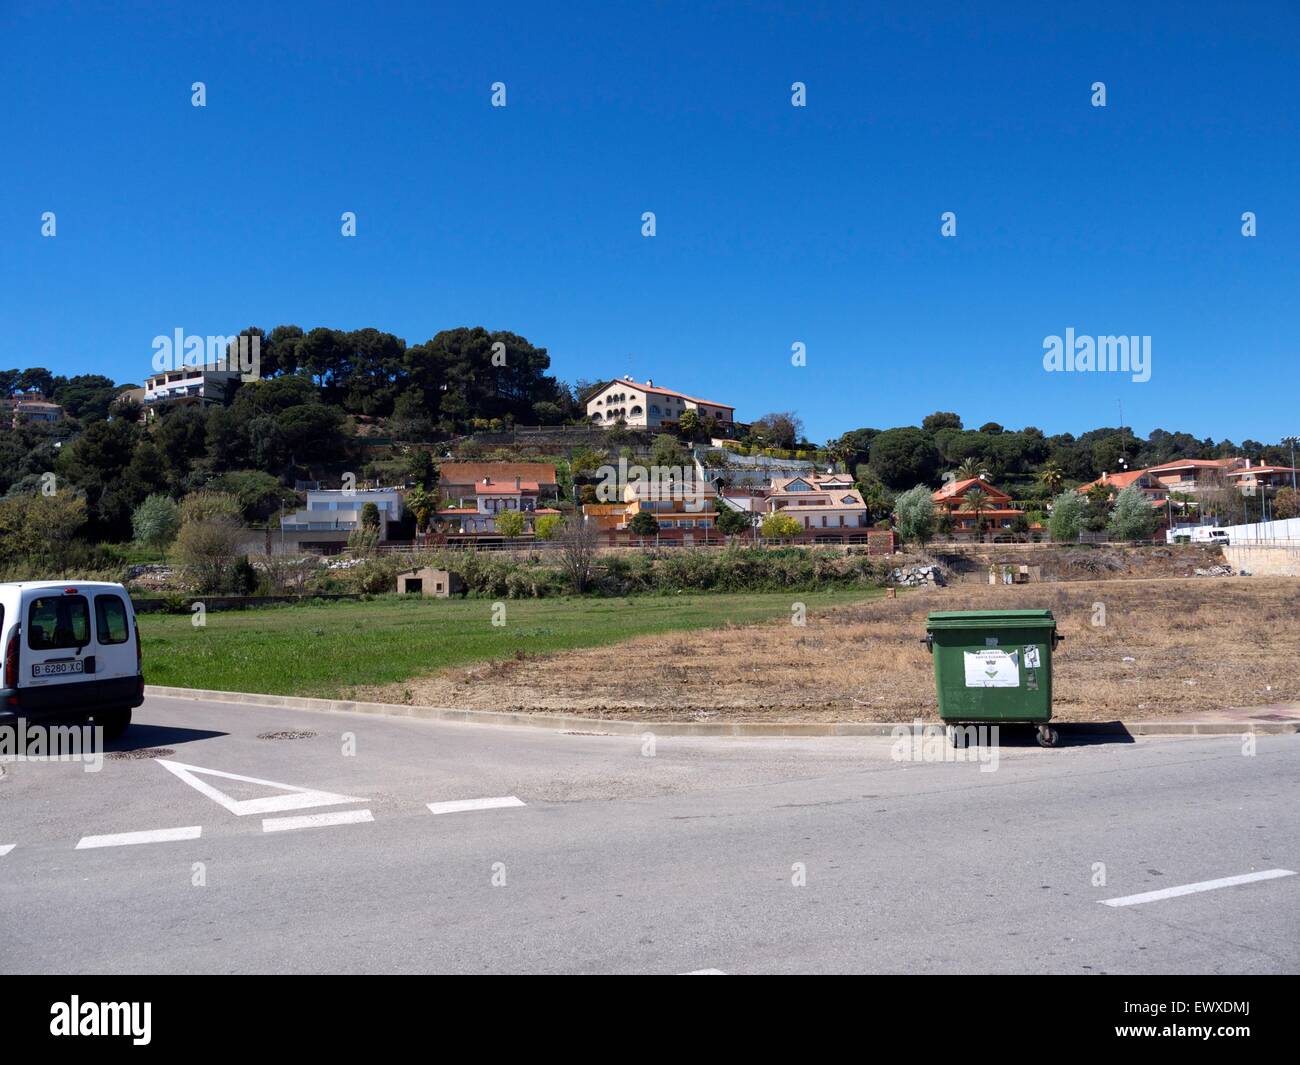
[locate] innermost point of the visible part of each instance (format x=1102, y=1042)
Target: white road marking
x=1192, y=889
x=297, y=799
x=5, y=848
x=458, y=805
x=128, y=839
x=705, y=972
x=339, y=817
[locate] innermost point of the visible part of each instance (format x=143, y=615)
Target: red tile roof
x=467, y=472
x=505, y=489
x=954, y=489
x=1183, y=464
x=647, y=387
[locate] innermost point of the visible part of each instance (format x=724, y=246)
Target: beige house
x=647, y=406
x=819, y=501
x=437, y=583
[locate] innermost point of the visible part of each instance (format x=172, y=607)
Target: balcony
x=318, y=526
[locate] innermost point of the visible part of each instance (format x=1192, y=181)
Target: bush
x=208, y=544
x=1068, y=510
x=1132, y=517
x=915, y=510
x=155, y=523
x=778, y=526
x=643, y=523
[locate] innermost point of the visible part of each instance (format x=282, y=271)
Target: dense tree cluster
x=1026, y=461
x=299, y=421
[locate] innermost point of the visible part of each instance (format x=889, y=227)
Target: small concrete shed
x=438, y=583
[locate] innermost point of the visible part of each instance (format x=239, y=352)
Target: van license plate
x=57, y=669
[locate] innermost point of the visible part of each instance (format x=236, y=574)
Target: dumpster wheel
x=1048, y=736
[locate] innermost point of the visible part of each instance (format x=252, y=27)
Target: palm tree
x=972, y=468
x=976, y=499
x=1052, y=477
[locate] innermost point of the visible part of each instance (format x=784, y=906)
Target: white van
x=71, y=652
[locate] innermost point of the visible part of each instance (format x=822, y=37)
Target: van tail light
x=139, y=655
x=11, y=660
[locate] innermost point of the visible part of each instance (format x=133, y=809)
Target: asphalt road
x=738, y=855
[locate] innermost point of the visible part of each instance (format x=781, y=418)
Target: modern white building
x=202, y=385
x=339, y=510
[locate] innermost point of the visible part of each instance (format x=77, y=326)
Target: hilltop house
x=648, y=406
x=202, y=386
x=33, y=407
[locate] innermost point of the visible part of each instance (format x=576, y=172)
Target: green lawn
x=320, y=650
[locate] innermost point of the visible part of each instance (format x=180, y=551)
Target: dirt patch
x=969, y=563
x=1163, y=648
x=288, y=734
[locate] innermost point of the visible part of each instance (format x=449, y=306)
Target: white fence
x=1283, y=533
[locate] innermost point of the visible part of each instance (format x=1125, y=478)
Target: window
x=58, y=621
x=111, y=624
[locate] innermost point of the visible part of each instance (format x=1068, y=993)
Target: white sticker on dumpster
x=1031, y=657
x=992, y=669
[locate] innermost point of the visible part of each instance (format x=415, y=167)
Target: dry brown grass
x=1198, y=646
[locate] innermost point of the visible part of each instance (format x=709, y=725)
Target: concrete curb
x=568, y=722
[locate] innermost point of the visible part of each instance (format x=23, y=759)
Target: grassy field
x=328, y=650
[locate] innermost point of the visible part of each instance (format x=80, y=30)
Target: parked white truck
x=1197, y=534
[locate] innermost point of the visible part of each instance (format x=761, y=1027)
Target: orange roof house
x=951, y=496
x=996, y=513
x=461, y=482
x=1143, y=480
x=1191, y=475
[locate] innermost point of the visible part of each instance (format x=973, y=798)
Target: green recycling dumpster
x=994, y=666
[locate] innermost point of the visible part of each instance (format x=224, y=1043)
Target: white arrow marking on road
x=339, y=817
x=1192, y=889
x=460, y=805
x=297, y=799
x=127, y=839
x=5, y=848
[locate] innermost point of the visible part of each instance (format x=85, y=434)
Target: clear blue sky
x=775, y=224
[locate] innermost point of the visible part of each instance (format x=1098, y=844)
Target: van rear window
x=58, y=621
x=110, y=619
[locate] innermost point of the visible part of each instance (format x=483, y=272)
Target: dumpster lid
x=979, y=619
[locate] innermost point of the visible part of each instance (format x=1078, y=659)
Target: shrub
x=915, y=510
x=780, y=526
x=155, y=523
x=1068, y=511
x=1132, y=517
